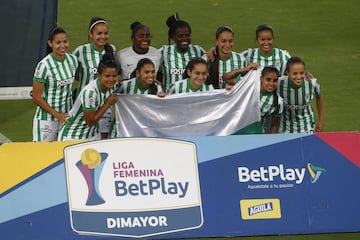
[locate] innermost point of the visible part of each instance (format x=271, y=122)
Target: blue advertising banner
x=187, y=187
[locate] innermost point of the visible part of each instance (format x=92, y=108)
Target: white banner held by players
x=214, y=113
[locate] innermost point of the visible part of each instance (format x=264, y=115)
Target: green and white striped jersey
x=183, y=86
x=174, y=62
x=278, y=58
x=234, y=61
x=91, y=98
x=89, y=59
x=57, y=77
x=267, y=109
x=298, y=115
x=131, y=86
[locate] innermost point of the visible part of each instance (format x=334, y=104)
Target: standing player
x=297, y=93
x=225, y=59
x=52, y=83
x=89, y=56
x=265, y=54
x=91, y=104
x=128, y=58
x=175, y=57
x=195, y=76
x=271, y=104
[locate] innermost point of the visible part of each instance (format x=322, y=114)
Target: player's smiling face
x=108, y=78
x=269, y=82
x=142, y=39
x=99, y=35
x=182, y=38
x=296, y=74
x=197, y=75
x=146, y=75
x=225, y=43
x=265, y=42
x=59, y=45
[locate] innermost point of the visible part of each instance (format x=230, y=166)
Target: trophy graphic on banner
x=90, y=166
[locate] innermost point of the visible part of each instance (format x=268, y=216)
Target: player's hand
x=319, y=127
x=211, y=54
x=112, y=98
x=62, y=117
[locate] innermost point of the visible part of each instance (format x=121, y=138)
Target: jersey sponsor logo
x=177, y=71
x=278, y=173
x=260, y=208
x=296, y=107
x=62, y=83
x=133, y=194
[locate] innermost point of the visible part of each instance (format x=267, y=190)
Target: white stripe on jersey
x=267, y=108
x=278, y=58
x=298, y=115
x=57, y=77
x=175, y=62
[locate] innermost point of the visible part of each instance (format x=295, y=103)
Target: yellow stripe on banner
x=20, y=161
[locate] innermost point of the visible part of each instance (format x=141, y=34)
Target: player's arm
x=93, y=116
x=320, y=109
x=37, y=90
x=230, y=77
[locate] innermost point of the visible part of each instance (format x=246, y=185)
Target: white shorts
x=105, y=121
x=45, y=130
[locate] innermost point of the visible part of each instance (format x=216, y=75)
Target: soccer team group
x=286, y=89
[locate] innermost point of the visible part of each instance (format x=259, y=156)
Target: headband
x=98, y=21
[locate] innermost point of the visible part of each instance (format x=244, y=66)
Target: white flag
x=213, y=113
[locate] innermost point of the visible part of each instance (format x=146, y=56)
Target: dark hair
x=263, y=27
x=52, y=33
x=223, y=29
x=293, y=60
x=107, y=61
x=136, y=26
x=191, y=64
x=174, y=22
x=93, y=22
x=141, y=63
x=214, y=65
x=269, y=69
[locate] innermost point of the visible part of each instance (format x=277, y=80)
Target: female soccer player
x=89, y=56
x=52, y=83
x=175, y=57
x=225, y=59
x=92, y=103
x=297, y=93
x=271, y=104
x=195, y=76
x=265, y=54
x=128, y=58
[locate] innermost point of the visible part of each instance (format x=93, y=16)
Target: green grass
x=324, y=33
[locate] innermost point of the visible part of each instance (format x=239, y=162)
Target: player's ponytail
x=107, y=61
